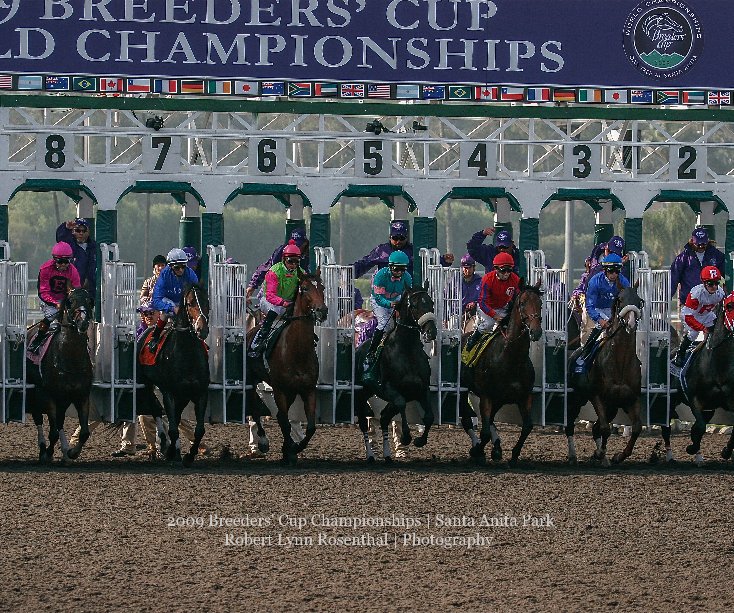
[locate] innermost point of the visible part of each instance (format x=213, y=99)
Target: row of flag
x=489, y=93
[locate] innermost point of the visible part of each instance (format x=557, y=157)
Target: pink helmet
x=291, y=249
x=62, y=250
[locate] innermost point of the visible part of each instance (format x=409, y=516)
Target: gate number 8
x=55, y=157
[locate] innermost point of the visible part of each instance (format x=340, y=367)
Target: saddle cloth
x=471, y=357
x=37, y=358
x=148, y=357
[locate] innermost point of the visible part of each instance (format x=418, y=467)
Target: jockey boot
x=256, y=347
x=680, y=355
x=43, y=328
x=156, y=335
x=369, y=359
x=473, y=339
x=589, y=345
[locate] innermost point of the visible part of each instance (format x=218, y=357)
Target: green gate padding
x=320, y=233
x=3, y=222
x=633, y=234
x=212, y=233
x=729, y=247
x=105, y=231
x=529, y=240
x=425, y=234
x=603, y=232
x=189, y=233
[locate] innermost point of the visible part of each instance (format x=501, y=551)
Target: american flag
x=378, y=90
x=6, y=81
x=719, y=98
x=352, y=90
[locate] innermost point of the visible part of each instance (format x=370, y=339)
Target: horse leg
x=254, y=403
x=634, y=415
x=405, y=436
x=697, y=431
x=485, y=411
x=467, y=422
x=360, y=405
x=199, y=411
x=421, y=440
x=601, y=432
x=309, y=403
x=64, y=441
x=83, y=412
x=574, y=408
x=38, y=420
x=174, y=416
x=53, y=431
x=391, y=410
x=727, y=450
x=527, y=426
x=283, y=402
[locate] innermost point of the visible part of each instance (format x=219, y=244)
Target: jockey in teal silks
x=388, y=286
x=279, y=292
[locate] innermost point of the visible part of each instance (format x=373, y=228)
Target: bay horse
x=63, y=378
x=614, y=380
x=504, y=375
x=293, y=366
x=709, y=381
x=181, y=369
x=404, y=372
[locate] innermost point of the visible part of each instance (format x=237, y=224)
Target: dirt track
x=95, y=537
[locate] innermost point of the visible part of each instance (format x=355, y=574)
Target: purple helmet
x=467, y=260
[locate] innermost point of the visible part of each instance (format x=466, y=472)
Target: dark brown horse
x=181, y=369
x=614, y=380
x=504, y=375
x=64, y=378
x=293, y=366
x=403, y=367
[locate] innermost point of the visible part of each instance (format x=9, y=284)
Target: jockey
x=470, y=284
x=503, y=243
x=498, y=288
x=54, y=278
x=279, y=292
x=301, y=240
x=388, y=286
x=168, y=290
x=380, y=255
x=603, y=288
x=698, y=311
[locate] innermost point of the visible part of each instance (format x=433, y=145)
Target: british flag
x=719, y=98
x=352, y=90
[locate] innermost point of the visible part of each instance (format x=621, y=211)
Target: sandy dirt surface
x=126, y=535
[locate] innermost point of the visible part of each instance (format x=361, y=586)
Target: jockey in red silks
x=498, y=288
x=279, y=292
x=698, y=310
x=54, y=278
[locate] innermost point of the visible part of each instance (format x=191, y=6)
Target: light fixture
x=154, y=123
x=375, y=126
x=418, y=126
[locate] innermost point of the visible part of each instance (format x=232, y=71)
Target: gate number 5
x=372, y=157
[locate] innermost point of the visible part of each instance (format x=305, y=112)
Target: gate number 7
x=165, y=143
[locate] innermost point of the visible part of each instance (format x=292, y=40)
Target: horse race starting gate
x=115, y=352
x=227, y=335
x=13, y=321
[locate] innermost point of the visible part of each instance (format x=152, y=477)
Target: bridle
x=621, y=315
x=193, y=321
x=78, y=316
x=317, y=313
x=525, y=318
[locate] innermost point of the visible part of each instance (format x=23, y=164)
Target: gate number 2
x=688, y=155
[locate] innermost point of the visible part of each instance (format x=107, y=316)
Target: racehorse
x=709, y=380
x=614, y=379
x=504, y=374
x=64, y=378
x=403, y=369
x=181, y=368
x=293, y=366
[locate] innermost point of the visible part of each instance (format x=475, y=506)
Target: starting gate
x=444, y=286
x=336, y=347
x=115, y=363
x=227, y=334
x=13, y=320
x=550, y=355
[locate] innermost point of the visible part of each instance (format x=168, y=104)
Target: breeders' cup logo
x=8, y=9
x=662, y=38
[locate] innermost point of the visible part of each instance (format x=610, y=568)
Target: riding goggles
x=62, y=260
x=711, y=283
x=177, y=266
x=616, y=269
x=398, y=237
x=292, y=260
x=397, y=268
x=503, y=268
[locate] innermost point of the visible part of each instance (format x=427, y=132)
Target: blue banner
x=604, y=43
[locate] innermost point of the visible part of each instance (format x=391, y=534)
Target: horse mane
x=505, y=321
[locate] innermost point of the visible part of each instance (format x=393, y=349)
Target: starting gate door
x=550, y=356
x=115, y=367
x=444, y=286
x=13, y=321
x=227, y=334
x=336, y=347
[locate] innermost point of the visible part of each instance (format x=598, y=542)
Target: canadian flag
x=110, y=84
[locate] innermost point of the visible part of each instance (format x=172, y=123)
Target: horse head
x=724, y=325
x=529, y=304
x=628, y=307
x=195, y=310
x=415, y=308
x=78, y=308
x=310, y=297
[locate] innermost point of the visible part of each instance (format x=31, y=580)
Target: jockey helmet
x=503, y=259
x=291, y=249
x=612, y=261
x=398, y=258
x=710, y=273
x=177, y=256
x=62, y=250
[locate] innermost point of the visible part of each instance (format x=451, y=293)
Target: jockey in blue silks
x=169, y=288
x=388, y=286
x=601, y=292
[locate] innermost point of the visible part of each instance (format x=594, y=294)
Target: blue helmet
x=398, y=258
x=612, y=259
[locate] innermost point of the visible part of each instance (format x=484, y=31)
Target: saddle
x=37, y=357
x=148, y=357
x=471, y=357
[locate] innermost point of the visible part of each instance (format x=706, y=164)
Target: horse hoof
x=263, y=447
x=370, y=459
x=573, y=461
x=513, y=462
x=618, y=458
x=420, y=441
x=692, y=449
x=406, y=439
x=496, y=451
x=73, y=454
x=605, y=462
x=726, y=453
x=388, y=459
